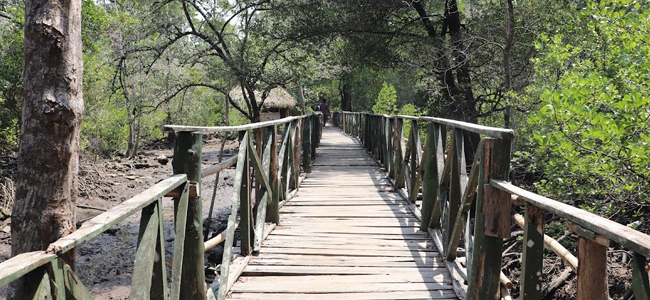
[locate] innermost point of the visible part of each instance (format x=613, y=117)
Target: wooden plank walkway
x=345, y=236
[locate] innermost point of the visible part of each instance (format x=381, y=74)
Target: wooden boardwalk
x=346, y=235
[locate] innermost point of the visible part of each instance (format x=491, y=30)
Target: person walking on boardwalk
x=325, y=110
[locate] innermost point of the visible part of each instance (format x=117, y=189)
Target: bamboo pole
x=553, y=245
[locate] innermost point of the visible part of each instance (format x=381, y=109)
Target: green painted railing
x=56, y=277
x=469, y=213
x=276, y=174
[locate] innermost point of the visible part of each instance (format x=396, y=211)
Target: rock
x=163, y=160
x=6, y=229
x=130, y=177
x=142, y=165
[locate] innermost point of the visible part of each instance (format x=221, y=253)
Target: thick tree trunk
x=48, y=159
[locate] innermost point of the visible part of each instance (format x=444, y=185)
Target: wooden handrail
x=152, y=281
x=251, y=126
x=24, y=263
x=448, y=193
x=108, y=219
x=21, y=264
x=621, y=234
x=213, y=169
x=494, y=132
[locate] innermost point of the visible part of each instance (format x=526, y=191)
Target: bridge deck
x=345, y=236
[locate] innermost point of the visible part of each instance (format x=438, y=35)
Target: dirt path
x=105, y=263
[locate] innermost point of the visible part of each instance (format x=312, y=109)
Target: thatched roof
x=278, y=98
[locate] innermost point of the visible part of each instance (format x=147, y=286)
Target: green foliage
x=104, y=128
x=386, y=100
x=11, y=79
x=592, y=130
x=408, y=110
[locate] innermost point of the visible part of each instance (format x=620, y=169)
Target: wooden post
x=57, y=273
x=441, y=192
x=180, y=223
x=399, y=153
x=385, y=141
x=187, y=160
x=486, y=256
x=457, y=168
x=456, y=187
x=640, y=284
x=148, y=258
x=246, y=210
x=306, y=145
x=313, y=133
x=273, y=213
x=242, y=166
x=297, y=143
x=391, y=150
x=416, y=150
x=283, y=161
x=533, y=253
x=592, y=270
x=429, y=170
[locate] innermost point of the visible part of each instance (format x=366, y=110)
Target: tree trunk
x=464, y=92
x=509, y=114
x=441, y=65
x=302, y=100
x=48, y=159
x=346, y=98
x=130, y=150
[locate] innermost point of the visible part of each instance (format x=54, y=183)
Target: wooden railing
x=469, y=213
x=56, y=277
x=275, y=174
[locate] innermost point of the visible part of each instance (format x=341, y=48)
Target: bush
x=591, y=131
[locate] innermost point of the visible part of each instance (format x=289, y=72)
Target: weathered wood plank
x=387, y=252
x=640, y=284
x=43, y=291
x=592, y=271
x=232, y=219
x=145, y=254
x=621, y=234
x=57, y=270
x=339, y=287
x=325, y=279
x=74, y=285
x=108, y=219
x=22, y=264
x=180, y=221
x=256, y=270
x=159, y=279
x=533, y=253
x=486, y=256
x=401, y=295
x=432, y=263
x=211, y=170
x=294, y=235
x=187, y=160
x=212, y=129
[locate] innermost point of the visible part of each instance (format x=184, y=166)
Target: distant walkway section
x=347, y=235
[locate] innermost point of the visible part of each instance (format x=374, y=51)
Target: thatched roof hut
x=278, y=98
